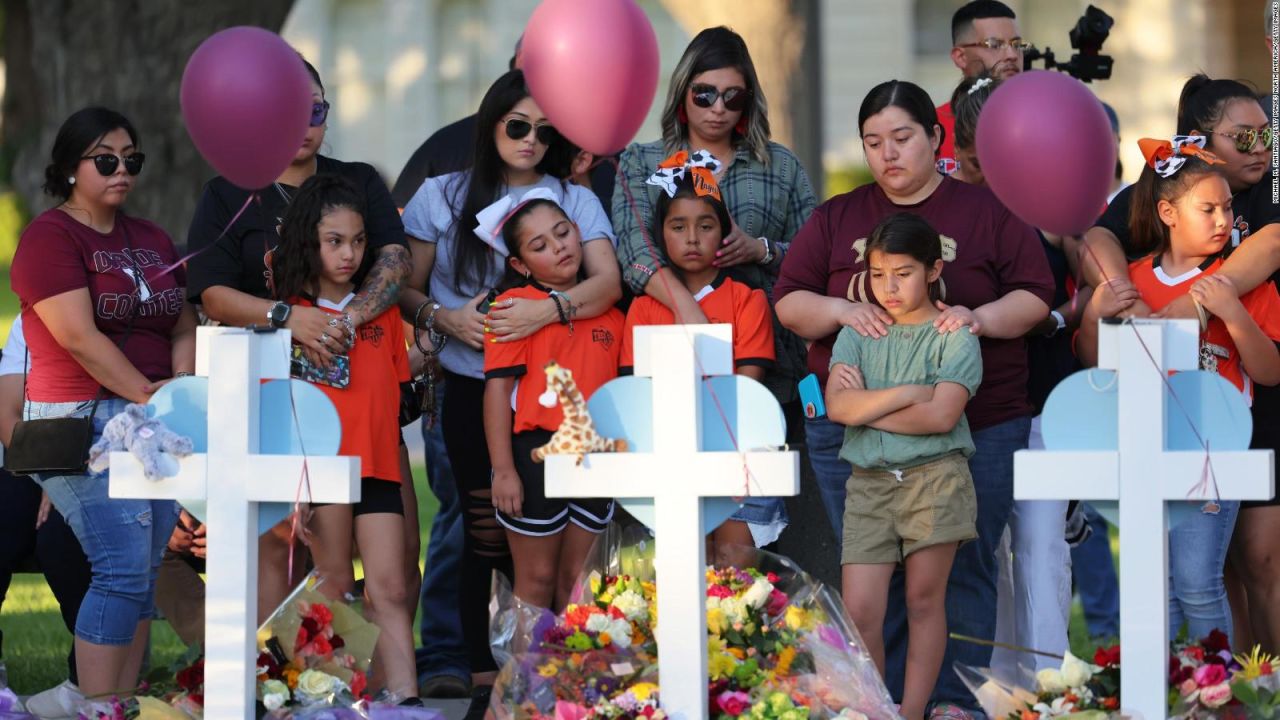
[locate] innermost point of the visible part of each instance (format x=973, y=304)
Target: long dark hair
x=295, y=263
x=684, y=191
x=1147, y=232
x=908, y=234
x=909, y=96
x=471, y=257
x=82, y=129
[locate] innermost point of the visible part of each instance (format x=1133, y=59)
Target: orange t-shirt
x=369, y=406
x=590, y=350
x=723, y=301
x=1217, y=351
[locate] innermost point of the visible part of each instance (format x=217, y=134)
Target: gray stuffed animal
x=156, y=446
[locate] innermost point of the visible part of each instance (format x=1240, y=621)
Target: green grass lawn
x=36, y=642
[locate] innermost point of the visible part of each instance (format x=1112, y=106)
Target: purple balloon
x=1047, y=151
x=246, y=101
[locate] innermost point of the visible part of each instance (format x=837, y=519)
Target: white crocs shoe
x=60, y=702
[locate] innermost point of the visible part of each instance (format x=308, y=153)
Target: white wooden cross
x=1142, y=476
x=678, y=475
x=234, y=479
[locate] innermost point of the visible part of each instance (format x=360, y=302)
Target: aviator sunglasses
x=518, y=129
x=1246, y=139
x=735, y=98
x=107, y=163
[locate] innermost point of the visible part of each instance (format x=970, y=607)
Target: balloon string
x=1207, y=475
x=661, y=277
x=296, y=527
x=189, y=256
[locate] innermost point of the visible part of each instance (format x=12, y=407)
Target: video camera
x=1087, y=36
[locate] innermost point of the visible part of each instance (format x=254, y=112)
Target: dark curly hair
x=78, y=133
x=295, y=263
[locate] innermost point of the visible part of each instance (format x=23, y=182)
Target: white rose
x=1050, y=680
x=1076, y=672
x=758, y=594
x=315, y=685
x=733, y=610
x=274, y=694
x=620, y=633
x=273, y=701
x=632, y=605
x=597, y=623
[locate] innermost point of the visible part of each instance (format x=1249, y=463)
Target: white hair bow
x=489, y=221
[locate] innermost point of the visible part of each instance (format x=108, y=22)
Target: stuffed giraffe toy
x=577, y=434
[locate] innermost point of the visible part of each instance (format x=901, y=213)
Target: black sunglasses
x=735, y=98
x=319, y=113
x=107, y=163
x=518, y=129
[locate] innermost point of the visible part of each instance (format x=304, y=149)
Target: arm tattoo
x=381, y=289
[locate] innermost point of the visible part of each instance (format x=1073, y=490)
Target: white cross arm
x=332, y=479
x=646, y=475
x=1095, y=475
x=1248, y=475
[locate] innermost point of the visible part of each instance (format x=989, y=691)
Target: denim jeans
x=443, y=651
x=971, y=588
x=1197, y=551
x=1094, y=570
x=823, y=439
x=124, y=540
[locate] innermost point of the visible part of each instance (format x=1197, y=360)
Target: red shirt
x=947, y=150
x=996, y=253
x=1217, y=350
x=369, y=406
x=724, y=301
x=56, y=254
x=590, y=350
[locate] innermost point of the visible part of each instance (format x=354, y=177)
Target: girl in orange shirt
x=322, y=248
x=549, y=537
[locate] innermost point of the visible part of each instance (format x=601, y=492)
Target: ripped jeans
x=124, y=540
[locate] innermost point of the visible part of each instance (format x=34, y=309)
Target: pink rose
x=734, y=702
x=1187, y=687
x=1209, y=675
x=1215, y=696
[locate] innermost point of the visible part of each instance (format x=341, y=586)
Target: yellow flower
x=785, y=658
x=604, y=638
x=1251, y=664
x=594, y=581
x=642, y=691
x=716, y=621
x=548, y=670
x=796, y=617
x=291, y=678
x=720, y=665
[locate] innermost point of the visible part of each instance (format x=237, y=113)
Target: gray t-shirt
x=429, y=217
x=908, y=355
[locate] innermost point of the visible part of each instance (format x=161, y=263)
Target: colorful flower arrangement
x=1207, y=681
x=313, y=652
x=778, y=648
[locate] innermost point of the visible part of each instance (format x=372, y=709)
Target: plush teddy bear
x=156, y=446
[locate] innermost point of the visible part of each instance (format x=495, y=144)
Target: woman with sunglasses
x=106, y=324
x=230, y=280
x=456, y=264
x=1240, y=135
x=715, y=103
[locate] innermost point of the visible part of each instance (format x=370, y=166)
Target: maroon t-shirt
x=57, y=254
x=995, y=253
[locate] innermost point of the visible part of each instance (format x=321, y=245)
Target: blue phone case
x=811, y=397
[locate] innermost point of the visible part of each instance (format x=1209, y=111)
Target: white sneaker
x=59, y=702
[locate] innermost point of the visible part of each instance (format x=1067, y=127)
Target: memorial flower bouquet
x=313, y=652
x=779, y=647
x=1207, y=681
x=1075, y=689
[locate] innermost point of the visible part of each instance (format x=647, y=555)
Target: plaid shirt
x=771, y=202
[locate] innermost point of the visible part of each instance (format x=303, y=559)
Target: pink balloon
x=246, y=101
x=592, y=66
x=1047, y=151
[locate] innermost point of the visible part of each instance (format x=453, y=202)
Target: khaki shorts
x=889, y=515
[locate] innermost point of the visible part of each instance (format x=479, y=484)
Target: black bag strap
x=128, y=329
